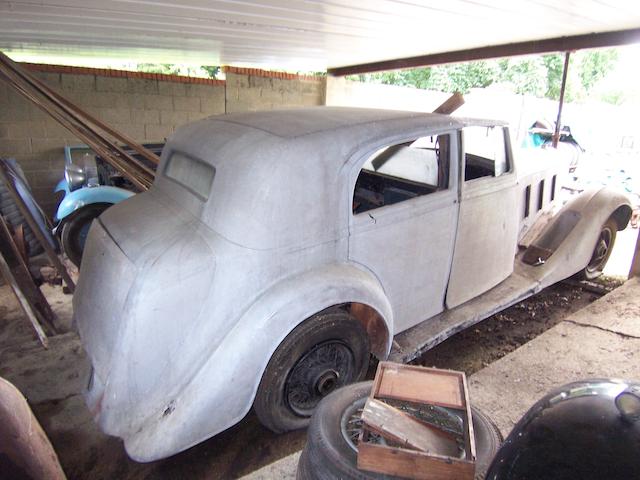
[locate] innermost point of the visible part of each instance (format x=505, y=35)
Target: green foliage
x=534, y=75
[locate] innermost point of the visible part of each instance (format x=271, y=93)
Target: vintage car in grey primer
x=276, y=251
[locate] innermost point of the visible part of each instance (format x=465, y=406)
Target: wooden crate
x=416, y=449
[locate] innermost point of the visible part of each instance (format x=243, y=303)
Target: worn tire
x=325, y=352
x=328, y=456
x=599, y=259
x=75, y=230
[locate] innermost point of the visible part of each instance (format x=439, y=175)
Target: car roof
x=292, y=123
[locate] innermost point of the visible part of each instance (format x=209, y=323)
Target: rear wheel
x=602, y=251
x=325, y=352
x=75, y=231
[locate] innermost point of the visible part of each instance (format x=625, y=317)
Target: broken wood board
x=403, y=429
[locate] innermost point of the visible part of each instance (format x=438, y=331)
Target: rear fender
x=567, y=242
x=223, y=391
x=86, y=196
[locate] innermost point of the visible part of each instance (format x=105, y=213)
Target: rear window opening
x=402, y=172
x=485, y=152
x=194, y=175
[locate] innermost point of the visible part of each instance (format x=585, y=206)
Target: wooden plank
x=19, y=279
x=419, y=384
x=412, y=464
x=35, y=228
x=401, y=428
x=451, y=104
x=558, y=44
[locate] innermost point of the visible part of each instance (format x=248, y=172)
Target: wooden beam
x=558, y=44
x=563, y=86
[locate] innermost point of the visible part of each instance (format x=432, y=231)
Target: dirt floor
x=86, y=453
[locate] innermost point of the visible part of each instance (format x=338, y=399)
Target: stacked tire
x=329, y=454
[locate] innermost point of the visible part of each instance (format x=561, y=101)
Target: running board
x=412, y=343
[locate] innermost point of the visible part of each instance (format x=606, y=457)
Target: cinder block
x=12, y=148
x=4, y=130
x=313, y=99
x=104, y=100
x=137, y=132
x=142, y=86
x=13, y=114
x=172, y=89
x=195, y=116
x=260, y=82
x=251, y=95
x=114, y=115
x=237, y=80
x=55, y=130
x=173, y=118
x=111, y=84
x=20, y=130
x=157, y=133
x=186, y=104
x=158, y=102
x=50, y=78
x=45, y=178
x=48, y=145
x=142, y=117
x=78, y=83
x=134, y=101
x=212, y=106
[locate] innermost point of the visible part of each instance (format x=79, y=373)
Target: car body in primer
x=258, y=221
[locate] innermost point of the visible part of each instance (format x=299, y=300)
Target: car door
x=487, y=231
x=403, y=222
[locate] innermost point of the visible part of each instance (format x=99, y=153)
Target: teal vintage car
x=90, y=186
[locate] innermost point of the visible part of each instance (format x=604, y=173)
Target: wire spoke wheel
x=319, y=372
x=601, y=251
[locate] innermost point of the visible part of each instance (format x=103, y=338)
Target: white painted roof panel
x=294, y=34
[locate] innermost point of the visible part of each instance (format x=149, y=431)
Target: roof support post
x=556, y=133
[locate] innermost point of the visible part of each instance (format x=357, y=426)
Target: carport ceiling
x=293, y=34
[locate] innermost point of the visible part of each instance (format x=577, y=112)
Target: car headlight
x=75, y=176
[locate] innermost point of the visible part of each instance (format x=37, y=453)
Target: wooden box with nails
x=417, y=424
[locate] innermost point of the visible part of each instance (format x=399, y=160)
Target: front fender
x=572, y=234
x=223, y=391
x=86, y=196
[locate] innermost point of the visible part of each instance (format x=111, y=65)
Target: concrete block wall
x=252, y=89
x=143, y=106
x=147, y=107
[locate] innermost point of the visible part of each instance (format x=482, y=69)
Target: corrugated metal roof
x=293, y=34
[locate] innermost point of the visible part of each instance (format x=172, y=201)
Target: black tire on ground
x=601, y=252
x=75, y=230
x=328, y=455
x=325, y=352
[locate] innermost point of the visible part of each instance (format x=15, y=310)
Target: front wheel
x=322, y=354
x=602, y=251
x=75, y=231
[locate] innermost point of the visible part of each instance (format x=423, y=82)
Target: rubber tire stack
x=327, y=456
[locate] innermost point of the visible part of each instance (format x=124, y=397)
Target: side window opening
x=403, y=171
x=540, y=194
x=485, y=152
x=527, y=201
